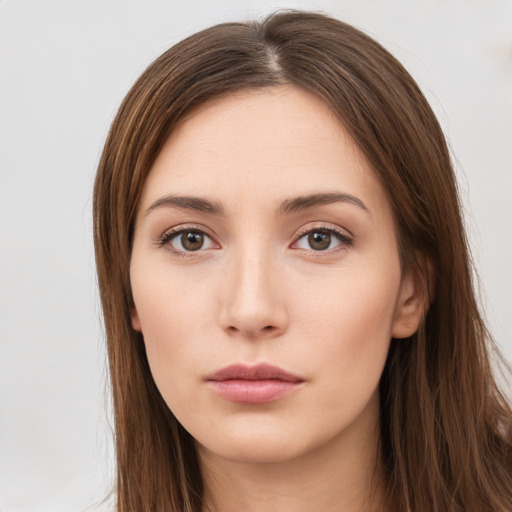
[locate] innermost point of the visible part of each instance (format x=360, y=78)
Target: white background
x=64, y=67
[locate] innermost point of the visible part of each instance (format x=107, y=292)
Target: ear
x=135, y=320
x=410, y=308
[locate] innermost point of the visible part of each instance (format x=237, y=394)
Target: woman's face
x=266, y=278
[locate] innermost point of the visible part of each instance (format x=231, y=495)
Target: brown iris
x=192, y=240
x=319, y=240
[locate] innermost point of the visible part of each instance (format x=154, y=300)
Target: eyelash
x=344, y=239
x=168, y=236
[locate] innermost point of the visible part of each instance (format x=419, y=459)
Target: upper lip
x=258, y=372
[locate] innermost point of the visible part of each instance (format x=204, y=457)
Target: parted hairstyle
x=445, y=426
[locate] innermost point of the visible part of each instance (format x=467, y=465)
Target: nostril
x=233, y=329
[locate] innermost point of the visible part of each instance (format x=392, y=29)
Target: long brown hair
x=446, y=430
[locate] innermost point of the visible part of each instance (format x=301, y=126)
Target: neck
x=343, y=475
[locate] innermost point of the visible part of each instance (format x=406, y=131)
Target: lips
x=253, y=384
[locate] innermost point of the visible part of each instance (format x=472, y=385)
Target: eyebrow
x=188, y=203
x=288, y=206
x=302, y=203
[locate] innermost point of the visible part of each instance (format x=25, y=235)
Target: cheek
x=347, y=326
x=168, y=298
x=172, y=313
x=352, y=302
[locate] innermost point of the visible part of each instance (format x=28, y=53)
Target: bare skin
x=232, y=486
x=231, y=265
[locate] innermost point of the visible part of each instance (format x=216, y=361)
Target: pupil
x=319, y=241
x=192, y=240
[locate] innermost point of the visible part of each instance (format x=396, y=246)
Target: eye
x=322, y=239
x=186, y=240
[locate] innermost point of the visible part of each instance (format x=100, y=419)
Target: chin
x=257, y=450
x=261, y=445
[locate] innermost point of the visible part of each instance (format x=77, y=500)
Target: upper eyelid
x=344, y=234
x=299, y=233
x=327, y=227
x=345, y=239
x=181, y=228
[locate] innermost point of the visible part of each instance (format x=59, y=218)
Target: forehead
x=269, y=143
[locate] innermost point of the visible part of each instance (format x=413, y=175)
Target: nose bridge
x=253, y=303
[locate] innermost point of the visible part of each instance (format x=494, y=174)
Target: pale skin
x=315, y=288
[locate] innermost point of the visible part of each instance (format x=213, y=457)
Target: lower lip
x=253, y=391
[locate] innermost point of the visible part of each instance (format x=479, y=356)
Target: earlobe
x=136, y=320
x=410, y=308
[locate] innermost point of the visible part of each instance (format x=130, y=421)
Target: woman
x=286, y=285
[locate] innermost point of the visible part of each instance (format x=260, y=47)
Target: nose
x=253, y=303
